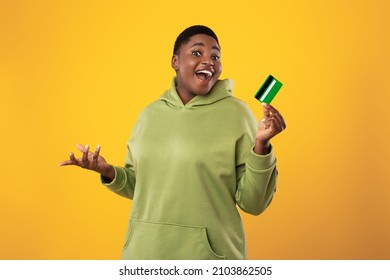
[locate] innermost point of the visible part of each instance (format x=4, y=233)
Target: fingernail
x=98, y=147
x=86, y=147
x=265, y=104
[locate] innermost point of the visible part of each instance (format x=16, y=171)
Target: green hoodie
x=186, y=169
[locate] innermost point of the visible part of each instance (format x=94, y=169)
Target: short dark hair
x=185, y=36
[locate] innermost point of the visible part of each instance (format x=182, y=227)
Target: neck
x=185, y=98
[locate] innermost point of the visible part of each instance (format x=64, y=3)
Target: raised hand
x=91, y=161
x=271, y=125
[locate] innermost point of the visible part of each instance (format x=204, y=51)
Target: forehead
x=202, y=40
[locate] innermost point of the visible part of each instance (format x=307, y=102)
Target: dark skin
x=198, y=68
x=91, y=161
x=271, y=125
x=202, y=52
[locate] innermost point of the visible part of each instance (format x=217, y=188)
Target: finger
x=272, y=109
x=96, y=154
x=280, y=119
x=266, y=110
x=276, y=114
x=264, y=122
x=277, y=125
x=73, y=159
x=66, y=162
x=80, y=147
x=269, y=123
x=85, y=154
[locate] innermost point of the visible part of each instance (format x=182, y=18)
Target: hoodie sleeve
x=124, y=181
x=257, y=183
x=256, y=174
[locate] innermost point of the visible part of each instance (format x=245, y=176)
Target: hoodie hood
x=221, y=90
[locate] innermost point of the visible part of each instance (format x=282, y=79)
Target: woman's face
x=197, y=66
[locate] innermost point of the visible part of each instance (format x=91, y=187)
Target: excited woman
x=193, y=156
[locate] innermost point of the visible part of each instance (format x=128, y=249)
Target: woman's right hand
x=91, y=161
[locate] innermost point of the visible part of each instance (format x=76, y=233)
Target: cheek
x=218, y=70
x=187, y=68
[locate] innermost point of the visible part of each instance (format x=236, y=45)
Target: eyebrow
x=201, y=44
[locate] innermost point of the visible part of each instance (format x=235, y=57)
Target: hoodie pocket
x=162, y=241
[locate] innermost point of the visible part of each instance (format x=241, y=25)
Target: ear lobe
x=175, y=62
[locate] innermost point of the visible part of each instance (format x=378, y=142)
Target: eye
x=215, y=57
x=196, y=53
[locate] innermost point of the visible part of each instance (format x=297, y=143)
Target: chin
x=205, y=91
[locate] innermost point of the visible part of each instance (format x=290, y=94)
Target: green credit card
x=268, y=90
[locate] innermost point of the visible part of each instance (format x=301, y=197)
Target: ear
x=175, y=62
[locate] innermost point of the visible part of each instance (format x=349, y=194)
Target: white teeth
x=208, y=73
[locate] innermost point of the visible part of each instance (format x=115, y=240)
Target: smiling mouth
x=204, y=75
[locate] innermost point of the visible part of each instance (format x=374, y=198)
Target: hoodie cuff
x=261, y=162
x=119, y=181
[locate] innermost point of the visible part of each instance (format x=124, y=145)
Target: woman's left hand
x=271, y=125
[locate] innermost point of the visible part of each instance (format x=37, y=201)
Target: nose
x=208, y=61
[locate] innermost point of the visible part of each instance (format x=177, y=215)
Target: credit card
x=268, y=90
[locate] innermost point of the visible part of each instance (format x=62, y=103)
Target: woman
x=193, y=156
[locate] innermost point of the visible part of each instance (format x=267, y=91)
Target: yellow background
x=81, y=71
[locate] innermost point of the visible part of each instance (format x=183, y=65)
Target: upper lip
x=207, y=71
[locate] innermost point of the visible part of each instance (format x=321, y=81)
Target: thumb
x=266, y=110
